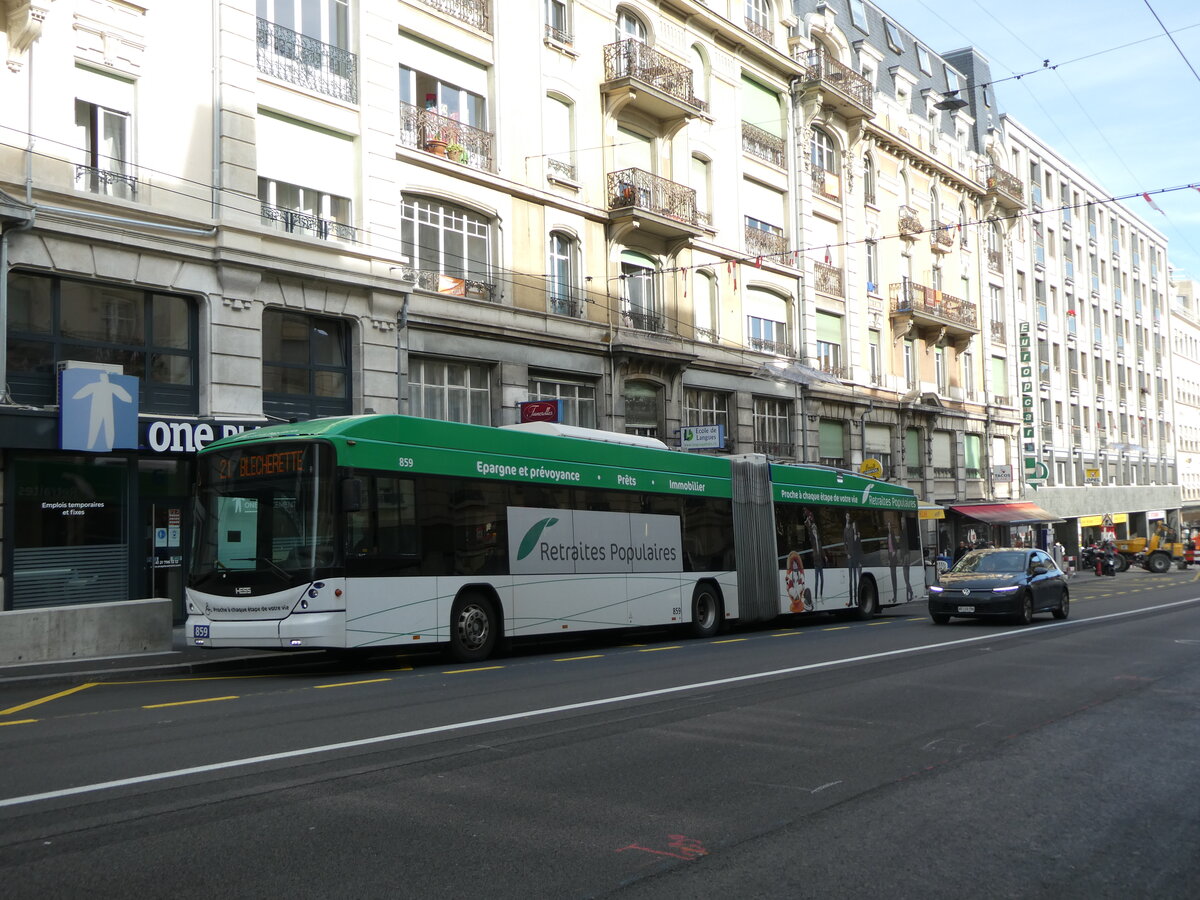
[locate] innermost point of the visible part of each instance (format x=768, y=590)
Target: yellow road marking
x=317, y=687
x=656, y=649
x=39, y=702
x=885, y=622
x=836, y=628
x=19, y=722
x=916, y=619
x=468, y=671
x=401, y=669
x=574, y=658
x=728, y=641
x=188, y=702
x=786, y=633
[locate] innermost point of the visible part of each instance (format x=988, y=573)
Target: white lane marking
x=567, y=707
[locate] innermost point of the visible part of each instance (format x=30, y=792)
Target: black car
x=1003, y=581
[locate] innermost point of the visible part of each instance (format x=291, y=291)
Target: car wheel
x=1064, y=606
x=706, y=611
x=1025, y=612
x=868, y=599
x=939, y=618
x=473, y=628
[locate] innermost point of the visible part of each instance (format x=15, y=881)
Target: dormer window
x=895, y=38
x=923, y=60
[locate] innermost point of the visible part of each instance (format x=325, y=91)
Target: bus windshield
x=265, y=517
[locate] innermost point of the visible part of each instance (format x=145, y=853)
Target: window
x=943, y=454
x=306, y=42
x=829, y=344
x=578, y=398
x=935, y=209
x=639, y=293
x=704, y=407
x=150, y=335
x=972, y=455
x=768, y=336
x=923, y=60
x=306, y=365
x=449, y=245
x=328, y=21
x=450, y=390
x=912, y=452
x=869, y=181
x=558, y=22
x=758, y=12
x=300, y=210
x=104, y=136
x=559, y=129
x=831, y=442
x=910, y=364
x=772, y=426
x=702, y=185
x=875, y=357
x=706, y=307
x=858, y=14
x=562, y=284
x=643, y=408
x=939, y=368
x=895, y=38
x=872, y=251
x=952, y=82
x=822, y=151
x=630, y=26
x=968, y=371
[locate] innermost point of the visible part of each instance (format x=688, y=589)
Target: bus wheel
x=473, y=628
x=868, y=599
x=706, y=611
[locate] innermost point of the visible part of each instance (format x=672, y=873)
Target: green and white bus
x=372, y=531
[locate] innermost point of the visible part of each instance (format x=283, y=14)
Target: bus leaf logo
x=531, y=536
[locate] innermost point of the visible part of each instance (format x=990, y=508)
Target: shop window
x=306, y=365
x=451, y=390
x=578, y=399
x=151, y=336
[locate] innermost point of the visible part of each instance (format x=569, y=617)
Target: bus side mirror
x=351, y=495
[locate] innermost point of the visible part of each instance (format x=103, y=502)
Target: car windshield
x=981, y=562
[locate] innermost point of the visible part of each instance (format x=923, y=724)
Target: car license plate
x=966, y=609
x=199, y=631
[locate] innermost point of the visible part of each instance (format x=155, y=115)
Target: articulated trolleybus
x=374, y=531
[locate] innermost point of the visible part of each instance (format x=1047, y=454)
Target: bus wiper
x=279, y=570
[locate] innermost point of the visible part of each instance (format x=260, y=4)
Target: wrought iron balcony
x=566, y=304
x=1001, y=400
x=641, y=320
x=451, y=285
x=932, y=309
x=998, y=332
x=909, y=225
x=762, y=32
x=707, y=335
x=762, y=345
x=941, y=237
x=631, y=64
x=764, y=145
x=307, y=62
x=828, y=280
x=769, y=246
x=774, y=448
x=441, y=135
x=473, y=12
x=657, y=205
x=559, y=36
x=295, y=222
x=827, y=183
x=110, y=184
x=560, y=168
x=847, y=92
x=996, y=261
x=1004, y=187
x=829, y=367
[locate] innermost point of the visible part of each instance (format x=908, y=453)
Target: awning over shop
x=1016, y=513
x=931, y=511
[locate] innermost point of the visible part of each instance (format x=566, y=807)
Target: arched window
x=450, y=246
x=705, y=307
x=639, y=292
x=630, y=26
x=758, y=13
x=995, y=241
x=699, y=74
x=562, y=283
x=643, y=408
x=822, y=151
x=935, y=210
x=868, y=180
x=962, y=224
x=558, y=128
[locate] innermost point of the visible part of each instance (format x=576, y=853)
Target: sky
x=1127, y=116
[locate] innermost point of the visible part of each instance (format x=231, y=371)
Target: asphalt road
x=823, y=759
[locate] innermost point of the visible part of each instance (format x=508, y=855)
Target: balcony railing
x=762, y=32
x=943, y=472
x=835, y=462
x=1001, y=400
x=996, y=261
x=110, y=184
x=773, y=448
x=473, y=12
x=707, y=335
x=998, y=332
x=642, y=321
x=909, y=225
x=295, y=222
x=566, y=305
x=769, y=245
x=1004, y=185
x=827, y=183
x=821, y=68
x=636, y=59
x=441, y=135
x=307, y=62
x=763, y=144
x=908, y=296
x=828, y=280
x=561, y=168
x=779, y=348
x=638, y=189
x=451, y=285
x=559, y=36
x=829, y=367
x=913, y=472
x=941, y=237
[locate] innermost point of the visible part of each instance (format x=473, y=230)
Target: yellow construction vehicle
x=1164, y=546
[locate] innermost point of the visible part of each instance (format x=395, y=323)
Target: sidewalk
x=182, y=659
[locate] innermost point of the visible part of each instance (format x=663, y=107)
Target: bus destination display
x=259, y=464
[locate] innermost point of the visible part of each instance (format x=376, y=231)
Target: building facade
x=1185, y=387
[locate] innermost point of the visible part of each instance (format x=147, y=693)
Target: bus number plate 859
x=199, y=631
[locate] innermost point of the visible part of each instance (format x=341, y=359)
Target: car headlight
x=934, y=589
x=1007, y=589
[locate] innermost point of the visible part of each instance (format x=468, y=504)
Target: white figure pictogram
x=103, y=417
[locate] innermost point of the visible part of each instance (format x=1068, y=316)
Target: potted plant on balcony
x=436, y=145
x=457, y=152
